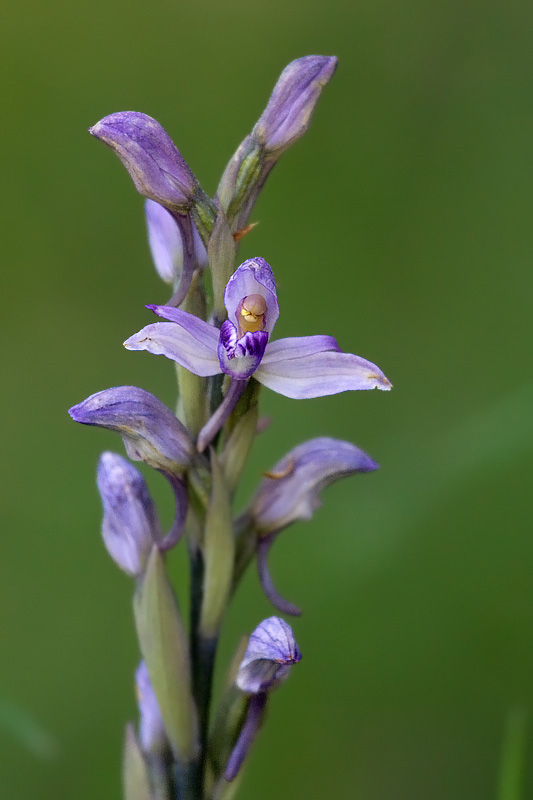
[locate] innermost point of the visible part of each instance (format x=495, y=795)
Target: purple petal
x=188, y=340
x=150, y=431
x=299, y=346
x=240, y=358
x=291, y=105
x=156, y=166
x=291, y=491
x=319, y=374
x=130, y=525
x=270, y=653
x=254, y=276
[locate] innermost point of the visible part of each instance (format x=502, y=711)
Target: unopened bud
x=130, y=524
x=155, y=164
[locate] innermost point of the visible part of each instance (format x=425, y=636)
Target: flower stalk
x=217, y=329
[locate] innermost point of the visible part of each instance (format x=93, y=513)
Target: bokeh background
x=401, y=224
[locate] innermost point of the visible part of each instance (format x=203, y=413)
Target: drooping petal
x=187, y=340
x=291, y=490
x=319, y=374
x=291, y=105
x=253, y=277
x=155, y=164
x=150, y=431
x=240, y=358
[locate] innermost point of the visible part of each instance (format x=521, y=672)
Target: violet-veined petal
x=321, y=374
x=271, y=643
x=204, y=333
x=240, y=358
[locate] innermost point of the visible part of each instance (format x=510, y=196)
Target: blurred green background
x=401, y=224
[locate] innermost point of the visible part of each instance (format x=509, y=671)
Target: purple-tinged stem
x=215, y=423
x=182, y=503
x=269, y=589
x=184, y=223
x=248, y=733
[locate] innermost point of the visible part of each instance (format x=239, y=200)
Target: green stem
x=203, y=652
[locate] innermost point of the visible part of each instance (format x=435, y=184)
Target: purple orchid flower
x=271, y=652
x=297, y=367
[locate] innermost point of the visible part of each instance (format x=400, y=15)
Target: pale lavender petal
x=254, y=276
x=191, y=342
x=166, y=245
x=270, y=653
x=321, y=374
x=291, y=490
x=298, y=346
x=239, y=358
x=164, y=239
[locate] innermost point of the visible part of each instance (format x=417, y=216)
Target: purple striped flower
x=297, y=367
x=271, y=652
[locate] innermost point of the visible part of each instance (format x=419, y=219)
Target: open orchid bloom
x=297, y=367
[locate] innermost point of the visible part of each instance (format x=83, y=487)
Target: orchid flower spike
x=271, y=652
x=297, y=367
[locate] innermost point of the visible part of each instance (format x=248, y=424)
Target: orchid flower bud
x=155, y=164
x=130, y=525
x=271, y=652
x=291, y=491
x=284, y=120
x=152, y=735
x=288, y=113
x=166, y=243
x=150, y=431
